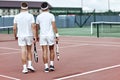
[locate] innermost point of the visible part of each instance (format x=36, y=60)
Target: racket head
x=35, y=56
x=35, y=53
x=57, y=51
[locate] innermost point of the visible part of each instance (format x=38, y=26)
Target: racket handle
x=34, y=45
x=58, y=55
x=56, y=42
x=34, y=39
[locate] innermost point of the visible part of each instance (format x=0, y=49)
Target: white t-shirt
x=45, y=20
x=24, y=22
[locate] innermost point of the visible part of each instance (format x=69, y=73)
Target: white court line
x=69, y=46
x=9, y=53
x=40, y=49
x=12, y=78
x=93, y=43
x=86, y=43
x=8, y=48
x=13, y=48
x=89, y=72
x=109, y=45
x=88, y=37
x=71, y=41
x=74, y=45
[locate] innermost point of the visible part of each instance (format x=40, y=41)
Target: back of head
x=44, y=6
x=24, y=5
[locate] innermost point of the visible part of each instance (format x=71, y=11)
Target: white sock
x=46, y=65
x=29, y=63
x=24, y=66
x=52, y=63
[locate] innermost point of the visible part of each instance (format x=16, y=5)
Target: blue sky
x=99, y=5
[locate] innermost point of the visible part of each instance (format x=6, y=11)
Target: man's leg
x=29, y=53
x=45, y=57
x=52, y=53
x=29, y=57
x=24, y=58
x=52, y=56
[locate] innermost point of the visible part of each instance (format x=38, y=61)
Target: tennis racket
x=35, y=53
x=57, y=51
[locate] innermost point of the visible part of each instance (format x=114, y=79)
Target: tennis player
x=24, y=29
x=46, y=23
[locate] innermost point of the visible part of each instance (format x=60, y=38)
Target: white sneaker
x=52, y=68
x=25, y=71
x=31, y=68
x=46, y=70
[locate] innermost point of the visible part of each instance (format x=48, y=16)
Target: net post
x=8, y=31
x=97, y=31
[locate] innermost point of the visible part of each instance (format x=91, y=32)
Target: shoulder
x=30, y=14
x=38, y=15
x=51, y=14
x=16, y=16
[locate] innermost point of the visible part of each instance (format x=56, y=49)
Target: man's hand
x=35, y=40
x=16, y=38
x=57, y=39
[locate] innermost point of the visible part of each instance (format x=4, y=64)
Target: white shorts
x=47, y=40
x=23, y=41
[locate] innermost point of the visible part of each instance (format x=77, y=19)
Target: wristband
x=57, y=35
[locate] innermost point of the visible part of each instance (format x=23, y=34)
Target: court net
x=6, y=30
x=105, y=29
x=6, y=34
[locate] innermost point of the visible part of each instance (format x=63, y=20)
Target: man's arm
x=55, y=30
x=15, y=30
x=54, y=27
x=34, y=31
x=37, y=30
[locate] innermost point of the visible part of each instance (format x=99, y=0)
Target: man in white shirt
x=24, y=30
x=46, y=23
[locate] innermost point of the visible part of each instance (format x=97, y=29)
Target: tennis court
x=81, y=58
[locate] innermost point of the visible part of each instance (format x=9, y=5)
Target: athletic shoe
x=31, y=68
x=24, y=71
x=47, y=70
x=52, y=68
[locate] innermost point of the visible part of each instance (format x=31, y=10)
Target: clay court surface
x=81, y=58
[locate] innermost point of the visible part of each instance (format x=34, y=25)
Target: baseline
x=8, y=77
x=88, y=72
